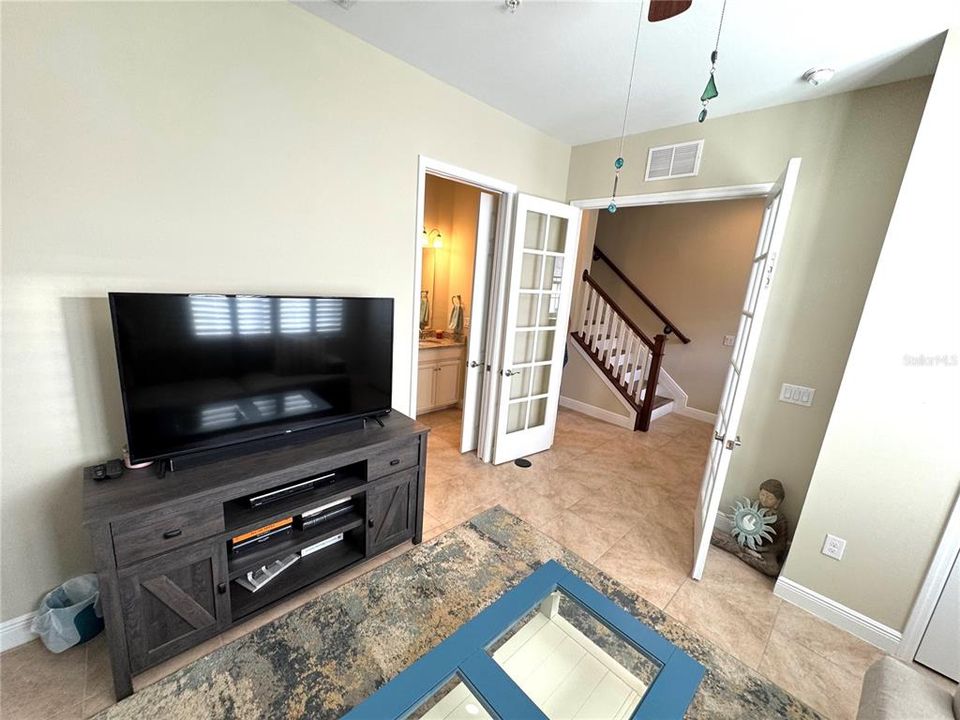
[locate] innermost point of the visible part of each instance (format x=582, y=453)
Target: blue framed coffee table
x=552, y=647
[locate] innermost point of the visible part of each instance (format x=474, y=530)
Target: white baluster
x=625, y=368
x=591, y=318
x=635, y=361
x=611, y=339
x=600, y=325
x=587, y=293
x=618, y=348
x=644, y=360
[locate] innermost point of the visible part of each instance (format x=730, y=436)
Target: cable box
x=311, y=518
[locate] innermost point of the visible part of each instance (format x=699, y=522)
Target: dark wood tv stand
x=161, y=545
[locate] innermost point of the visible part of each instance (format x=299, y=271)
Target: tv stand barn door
x=170, y=581
x=173, y=603
x=391, y=512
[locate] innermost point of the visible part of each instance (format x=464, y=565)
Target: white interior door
x=539, y=289
x=939, y=649
x=726, y=439
x=474, y=378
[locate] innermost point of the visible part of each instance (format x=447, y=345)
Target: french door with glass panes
x=538, y=294
x=725, y=433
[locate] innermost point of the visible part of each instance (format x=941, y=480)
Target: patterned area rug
x=328, y=655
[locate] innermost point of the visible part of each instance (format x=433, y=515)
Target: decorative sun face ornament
x=752, y=524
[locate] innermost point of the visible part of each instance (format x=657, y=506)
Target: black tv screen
x=204, y=371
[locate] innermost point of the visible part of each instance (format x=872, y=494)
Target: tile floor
x=622, y=500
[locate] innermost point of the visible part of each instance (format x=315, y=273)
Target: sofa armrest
x=895, y=691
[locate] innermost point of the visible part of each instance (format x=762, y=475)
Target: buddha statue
x=758, y=532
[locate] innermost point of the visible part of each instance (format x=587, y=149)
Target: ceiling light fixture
x=511, y=6
x=819, y=76
x=710, y=91
x=618, y=163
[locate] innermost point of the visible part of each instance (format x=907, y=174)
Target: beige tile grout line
x=766, y=643
x=685, y=581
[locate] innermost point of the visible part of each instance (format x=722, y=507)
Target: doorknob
x=731, y=444
x=509, y=373
x=473, y=364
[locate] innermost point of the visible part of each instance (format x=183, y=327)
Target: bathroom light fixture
x=819, y=76
x=433, y=239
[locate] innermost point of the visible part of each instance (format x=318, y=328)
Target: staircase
x=628, y=358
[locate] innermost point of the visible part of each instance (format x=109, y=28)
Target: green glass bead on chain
x=612, y=207
x=710, y=91
x=618, y=163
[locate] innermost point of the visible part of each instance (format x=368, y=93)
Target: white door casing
x=742, y=359
x=475, y=375
x=538, y=293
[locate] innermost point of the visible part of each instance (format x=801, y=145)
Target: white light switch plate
x=796, y=394
x=728, y=340
x=834, y=546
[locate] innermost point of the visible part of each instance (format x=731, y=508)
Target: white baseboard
x=867, y=629
x=701, y=415
x=598, y=413
x=16, y=631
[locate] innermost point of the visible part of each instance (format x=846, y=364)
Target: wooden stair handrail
x=613, y=303
x=598, y=254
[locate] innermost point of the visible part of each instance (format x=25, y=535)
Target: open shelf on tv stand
x=163, y=547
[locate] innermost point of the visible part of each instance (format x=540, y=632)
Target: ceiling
x=563, y=67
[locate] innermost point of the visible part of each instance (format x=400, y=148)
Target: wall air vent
x=674, y=161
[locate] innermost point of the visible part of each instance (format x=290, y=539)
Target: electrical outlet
x=796, y=394
x=834, y=546
x=728, y=340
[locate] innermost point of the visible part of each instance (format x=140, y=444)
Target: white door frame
x=714, y=194
x=933, y=584
x=506, y=192
x=725, y=192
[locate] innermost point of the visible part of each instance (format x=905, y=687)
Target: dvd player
x=303, y=486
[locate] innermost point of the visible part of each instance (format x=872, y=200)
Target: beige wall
x=452, y=208
x=889, y=470
x=854, y=148
x=246, y=147
x=692, y=260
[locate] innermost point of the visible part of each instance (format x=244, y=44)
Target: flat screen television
x=199, y=372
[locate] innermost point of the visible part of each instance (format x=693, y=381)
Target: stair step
x=659, y=401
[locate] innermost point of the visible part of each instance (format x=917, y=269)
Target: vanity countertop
x=430, y=343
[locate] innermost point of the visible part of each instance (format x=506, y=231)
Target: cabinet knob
x=222, y=588
x=370, y=523
x=395, y=461
x=170, y=534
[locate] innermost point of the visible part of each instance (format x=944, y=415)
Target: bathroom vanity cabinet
x=440, y=375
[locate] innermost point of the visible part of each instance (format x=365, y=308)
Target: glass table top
x=451, y=701
x=550, y=648
x=571, y=664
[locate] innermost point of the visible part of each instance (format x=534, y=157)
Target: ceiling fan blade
x=666, y=9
